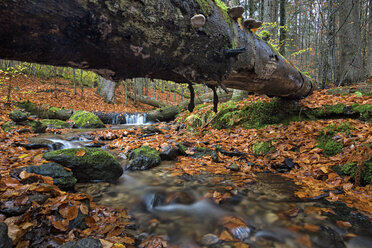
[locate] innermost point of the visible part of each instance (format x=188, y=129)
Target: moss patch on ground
x=328, y=141
x=261, y=148
x=349, y=169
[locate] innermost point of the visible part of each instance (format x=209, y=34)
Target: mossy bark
x=154, y=39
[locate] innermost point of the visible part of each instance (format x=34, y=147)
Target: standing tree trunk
x=82, y=84
x=282, y=28
x=55, y=82
x=154, y=40
x=351, y=66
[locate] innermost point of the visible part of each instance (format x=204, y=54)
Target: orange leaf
x=343, y=224
x=80, y=153
x=84, y=209
x=69, y=212
x=311, y=228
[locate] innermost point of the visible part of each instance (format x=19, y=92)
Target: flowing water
x=178, y=208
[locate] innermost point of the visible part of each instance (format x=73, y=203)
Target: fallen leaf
x=80, y=153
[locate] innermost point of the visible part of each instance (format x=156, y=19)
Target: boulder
x=169, y=152
x=54, y=123
x=143, y=158
x=37, y=126
x=18, y=115
x=5, y=241
x=83, y=243
x=61, y=177
x=85, y=119
x=88, y=164
x=59, y=113
x=8, y=126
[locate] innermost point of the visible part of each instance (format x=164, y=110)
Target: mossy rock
x=61, y=177
x=37, y=126
x=143, y=158
x=29, y=107
x=8, y=126
x=59, y=113
x=261, y=148
x=85, y=119
x=58, y=124
x=88, y=164
x=18, y=115
x=200, y=152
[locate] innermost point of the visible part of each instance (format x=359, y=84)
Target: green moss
x=365, y=111
x=335, y=109
x=8, y=126
x=326, y=141
x=331, y=148
x=146, y=151
x=264, y=34
x=200, y=152
x=262, y=114
x=205, y=6
x=18, y=115
x=349, y=169
x=261, y=148
x=85, y=119
x=182, y=148
x=55, y=123
x=224, y=8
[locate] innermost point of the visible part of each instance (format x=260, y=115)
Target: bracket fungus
x=236, y=12
x=198, y=21
x=252, y=24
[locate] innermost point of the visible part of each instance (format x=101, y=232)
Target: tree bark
x=351, y=68
x=154, y=39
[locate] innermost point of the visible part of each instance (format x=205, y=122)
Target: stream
x=262, y=214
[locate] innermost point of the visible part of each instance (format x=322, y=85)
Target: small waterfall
x=63, y=144
x=135, y=119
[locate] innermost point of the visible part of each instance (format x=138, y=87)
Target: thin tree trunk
x=82, y=84
x=55, y=82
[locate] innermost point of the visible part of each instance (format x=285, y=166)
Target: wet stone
x=210, y=239
x=169, y=152
x=234, y=167
x=83, y=243
x=5, y=241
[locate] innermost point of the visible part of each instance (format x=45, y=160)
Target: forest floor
x=297, y=142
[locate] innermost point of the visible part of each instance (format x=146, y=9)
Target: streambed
x=261, y=214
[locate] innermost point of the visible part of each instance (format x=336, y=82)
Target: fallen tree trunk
x=152, y=38
x=149, y=101
x=170, y=112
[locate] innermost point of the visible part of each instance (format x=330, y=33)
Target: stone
x=234, y=167
x=143, y=158
x=18, y=115
x=61, y=177
x=198, y=21
x=85, y=119
x=5, y=241
x=236, y=11
x=252, y=23
x=9, y=209
x=8, y=126
x=169, y=152
x=210, y=239
x=83, y=243
x=54, y=123
x=59, y=113
x=289, y=163
x=88, y=164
